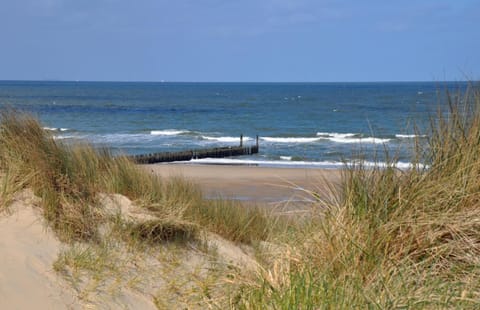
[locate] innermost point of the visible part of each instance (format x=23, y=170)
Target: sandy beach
x=251, y=183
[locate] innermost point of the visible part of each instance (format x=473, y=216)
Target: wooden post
x=257, y=140
x=241, y=139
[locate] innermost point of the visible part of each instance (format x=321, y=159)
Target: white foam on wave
x=231, y=161
x=289, y=139
x=63, y=137
x=360, y=140
x=336, y=135
x=314, y=164
x=399, y=165
x=286, y=157
x=350, y=138
x=168, y=132
x=401, y=136
x=226, y=139
x=55, y=129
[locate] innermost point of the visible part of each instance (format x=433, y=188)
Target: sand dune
x=27, y=252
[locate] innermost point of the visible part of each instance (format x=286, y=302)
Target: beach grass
x=64, y=178
x=396, y=239
x=232, y=220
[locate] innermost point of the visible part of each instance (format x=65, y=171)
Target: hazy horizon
x=244, y=82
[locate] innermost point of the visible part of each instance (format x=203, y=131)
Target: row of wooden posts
x=217, y=152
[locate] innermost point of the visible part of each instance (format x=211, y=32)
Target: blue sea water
x=299, y=124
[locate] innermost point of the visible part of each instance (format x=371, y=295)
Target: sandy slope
x=28, y=249
x=27, y=252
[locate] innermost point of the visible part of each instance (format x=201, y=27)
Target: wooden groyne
x=217, y=152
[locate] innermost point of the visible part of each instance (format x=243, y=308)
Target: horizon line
x=235, y=82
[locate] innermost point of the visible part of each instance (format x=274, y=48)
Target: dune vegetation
x=394, y=239
x=385, y=238
x=70, y=180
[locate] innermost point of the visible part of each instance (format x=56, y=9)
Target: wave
x=226, y=139
x=121, y=138
x=350, y=138
x=168, y=132
x=113, y=138
x=360, y=140
x=194, y=140
x=55, y=129
x=280, y=163
x=69, y=137
x=289, y=139
x=157, y=137
x=336, y=135
x=64, y=137
x=306, y=164
x=401, y=136
x=286, y=157
x=330, y=136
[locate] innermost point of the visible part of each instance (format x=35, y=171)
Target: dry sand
x=27, y=253
x=251, y=183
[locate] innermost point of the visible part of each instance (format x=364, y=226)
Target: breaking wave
x=350, y=138
x=56, y=129
x=168, y=132
x=289, y=139
x=401, y=136
x=284, y=163
x=226, y=139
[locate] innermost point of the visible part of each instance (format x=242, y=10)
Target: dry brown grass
x=57, y=174
x=396, y=239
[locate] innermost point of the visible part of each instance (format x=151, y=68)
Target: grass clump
x=155, y=231
x=64, y=178
x=395, y=239
x=232, y=220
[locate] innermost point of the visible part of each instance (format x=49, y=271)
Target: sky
x=240, y=40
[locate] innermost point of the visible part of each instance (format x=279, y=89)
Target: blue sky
x=240, y=40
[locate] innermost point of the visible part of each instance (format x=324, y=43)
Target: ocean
x=298, y=124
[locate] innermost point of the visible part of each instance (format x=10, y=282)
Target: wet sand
x=252, y=183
